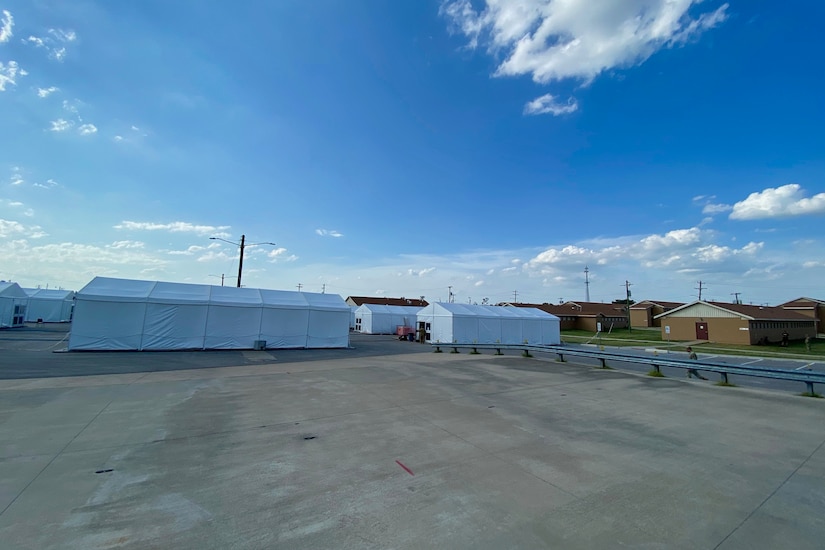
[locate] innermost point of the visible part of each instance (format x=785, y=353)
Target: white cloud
x=126, y=244
x=716, y=208
x=87, y=129
x=328, y=233
x=70, y=106
x=50, y=183
x=554, y=40
x=6, y=24
x=13, y=229
x=118, y=138
x=8, y=74
x=175, y=227
x=421, y=272
x=61, y=125
x=46, y=92
x=8, y=228
x=63, y=36
x=54, y=44
x=16, y=177
x=677, y=237
x=548, y=104
x=785, y=201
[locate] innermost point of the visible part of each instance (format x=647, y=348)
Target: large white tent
x=384, y=319
x=13, y=301
x=473, y=324
x=124, y=314
x=49, y=305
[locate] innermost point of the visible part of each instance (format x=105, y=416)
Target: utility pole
x=586, y=284
x=449, y=294
x=324, y=288
x=736, y=299
x=627, y=285
x=700, y=288
x=242, y=245
x=515, y=296
x=299, y=287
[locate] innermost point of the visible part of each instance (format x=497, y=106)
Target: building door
x=701, y=331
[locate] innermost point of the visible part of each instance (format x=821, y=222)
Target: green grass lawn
x=653, y=339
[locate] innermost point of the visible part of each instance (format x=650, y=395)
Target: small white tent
x=49, y=305
x=122, y=314
x=13, y=301
x=384, y=319
x=472, y=324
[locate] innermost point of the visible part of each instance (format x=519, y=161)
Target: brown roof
x=647, y=304
x=803, y=303
x=383, y=300
x=756, y=313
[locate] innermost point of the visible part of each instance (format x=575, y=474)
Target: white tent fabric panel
x=232, y=327
x=385, y=319
x=174, y=326
x=468, y=324
x=285, y=328
x=50, y=305
x=107, y=325
x=13, y=302
x=322, y=331
x=168, y=316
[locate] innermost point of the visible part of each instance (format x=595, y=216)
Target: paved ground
x=405, y=450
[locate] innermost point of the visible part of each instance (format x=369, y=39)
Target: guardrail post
x=810, y=386
x=604, y=365
x=455, y=350
x=438, y=349
x=498, y=351
x=724, y=377
x=656, y=368
x=561, y=357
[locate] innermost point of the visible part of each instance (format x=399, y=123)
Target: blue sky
x=402, y=148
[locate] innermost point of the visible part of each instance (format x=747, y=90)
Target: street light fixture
x=242, y=245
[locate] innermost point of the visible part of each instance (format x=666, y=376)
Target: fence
x=657, y=362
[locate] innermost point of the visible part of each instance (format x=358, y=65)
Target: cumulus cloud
x=549, y=104
x=6, y=24
x=553, y=40
x=61, y=125
x=328, y=233
x=8, y=74
x=87, y=129
x=785, y=201
x=9, y=228
x=175, y=227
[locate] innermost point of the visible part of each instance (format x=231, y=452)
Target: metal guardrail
x=723, y=369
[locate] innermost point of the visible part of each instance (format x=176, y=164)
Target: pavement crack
x=770, y=496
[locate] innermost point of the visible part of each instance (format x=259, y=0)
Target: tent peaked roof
x=12, y=290
x=130, y=290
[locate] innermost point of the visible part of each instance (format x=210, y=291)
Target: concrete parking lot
x=403, y=449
